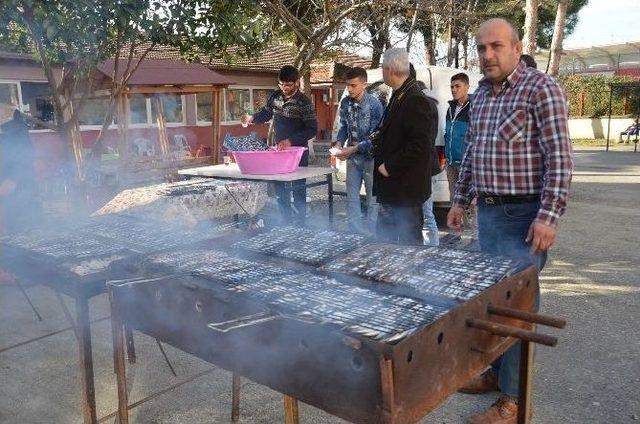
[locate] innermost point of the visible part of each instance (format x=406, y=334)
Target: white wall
x=597, y=128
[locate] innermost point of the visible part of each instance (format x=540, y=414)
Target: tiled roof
x=271, y=60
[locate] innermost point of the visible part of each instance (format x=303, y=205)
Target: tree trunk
x=412, y=28
x=530, y=23
x=558, y=37
x=450, y=35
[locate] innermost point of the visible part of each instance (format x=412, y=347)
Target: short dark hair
x=356, y=72
x=288, y=73
x=529, y=61
x=461, y=77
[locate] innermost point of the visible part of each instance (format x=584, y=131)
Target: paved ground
x=592, y=376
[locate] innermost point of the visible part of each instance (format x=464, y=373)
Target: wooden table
x=232, y=172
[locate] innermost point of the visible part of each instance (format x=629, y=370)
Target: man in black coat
x=403, y=153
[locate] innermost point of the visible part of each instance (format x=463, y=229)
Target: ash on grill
x=444, y=272
x=301, y=244
x=190, y=201
x=311, y=297
x=146, y=236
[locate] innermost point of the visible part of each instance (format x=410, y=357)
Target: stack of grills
x=189, y=202
x=369, y=332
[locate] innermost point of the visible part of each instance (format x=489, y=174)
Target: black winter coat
x=406, y=148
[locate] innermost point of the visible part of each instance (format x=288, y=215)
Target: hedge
x=588, y=96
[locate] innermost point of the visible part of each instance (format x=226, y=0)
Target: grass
x=597, y=142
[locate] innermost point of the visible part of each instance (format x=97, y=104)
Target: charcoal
x=302, y=244
x=308, y=296
x=429, y=271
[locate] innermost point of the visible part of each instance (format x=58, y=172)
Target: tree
x=315, y=26
x=530, y=25
x=558, y=37
x=70, y=37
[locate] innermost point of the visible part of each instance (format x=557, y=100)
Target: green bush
x=594, y=91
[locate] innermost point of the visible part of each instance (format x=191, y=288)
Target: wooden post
x=388, y=395
x=216, y=100
x=235, y=397
x=86, y=359
x=162, y=128
x=291, y=415
x=117, y=329
x=526, y=382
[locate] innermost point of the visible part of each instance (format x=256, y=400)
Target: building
x=612, y=59
x=24, y=85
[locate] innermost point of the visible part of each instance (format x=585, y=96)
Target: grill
x=445, y=272
x=339, y=336
x=188, y=202
x=301, y=244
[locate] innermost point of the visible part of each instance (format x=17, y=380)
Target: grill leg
x=86, y=359
x=526, y=382
x=166, y=358
x=28, y=299
x=291, y=410
x=235, y=398
x=131, y=348
x=67, y=314
x=119, y=365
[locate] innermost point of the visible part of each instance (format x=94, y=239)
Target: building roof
x=271, y=59
x=167, y=72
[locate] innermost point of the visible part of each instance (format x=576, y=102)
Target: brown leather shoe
x=503, y=411
x=484, y=383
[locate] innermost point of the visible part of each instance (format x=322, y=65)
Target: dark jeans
x=299, y=197
x=502, y=230
x=400, y=224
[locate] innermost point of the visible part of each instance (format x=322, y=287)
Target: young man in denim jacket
x=360, y=115
x=455, y=135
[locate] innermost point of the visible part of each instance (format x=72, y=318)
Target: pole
x=609, y=121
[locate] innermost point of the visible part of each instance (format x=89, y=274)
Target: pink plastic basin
x=266, y=162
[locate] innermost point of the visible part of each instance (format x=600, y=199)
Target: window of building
x=237, y=103
x=203, y=107
x=171, y=105
x=260, y=97
x=9, y=100
x=93, y=111
x=36, y=99
x=138, y=109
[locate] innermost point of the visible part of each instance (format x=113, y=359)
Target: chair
x=632, y=130
x=180, y=147
x=143, y=147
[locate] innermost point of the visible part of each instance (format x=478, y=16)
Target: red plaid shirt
x=518, y=143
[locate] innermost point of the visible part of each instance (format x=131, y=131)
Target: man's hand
x=347, y=152
x=284, y=144
x=382, y=170
x=455, y=218
x=541, y=236
x=7, y=187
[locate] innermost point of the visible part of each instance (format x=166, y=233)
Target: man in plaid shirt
x=518, y=164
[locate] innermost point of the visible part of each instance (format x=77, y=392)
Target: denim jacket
x=369, y=117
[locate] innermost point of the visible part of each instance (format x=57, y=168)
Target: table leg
x=119, y=365
x=86, y=359
x=235, y=397
x=291, y=415
x=131, y=347
x=330, y=194
x=526, y=382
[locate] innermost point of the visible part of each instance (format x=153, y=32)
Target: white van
x=438, y=80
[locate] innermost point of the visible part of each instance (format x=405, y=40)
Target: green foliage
x=514, y=12
x=588, y=95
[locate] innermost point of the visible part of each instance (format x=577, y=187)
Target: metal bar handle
x=506, y=331
x=242, y=322
x=527, y=316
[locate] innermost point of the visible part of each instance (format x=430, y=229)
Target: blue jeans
x=502, y=230
x=359, y=170
x=299, y=197
x=430, y=227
